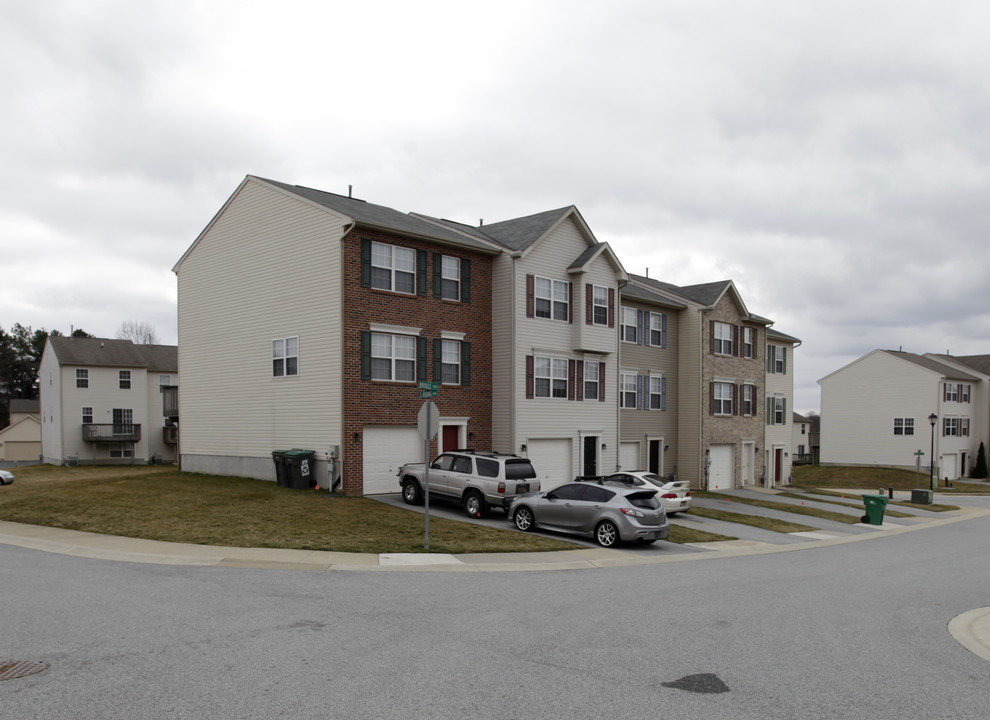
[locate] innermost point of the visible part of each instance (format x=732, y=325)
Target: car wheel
x=475, y=505
x=411, y=493
x=606, y=534
x=523, y=519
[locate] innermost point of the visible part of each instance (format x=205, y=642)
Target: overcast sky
x=831, y=158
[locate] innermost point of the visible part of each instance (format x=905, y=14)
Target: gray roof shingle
x=103, y=352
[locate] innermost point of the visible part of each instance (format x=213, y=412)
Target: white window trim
x=719, y=402
x=623, y=324
x=444, y=278
x=720, y=343
x=599, y=302
x=623, y=391
x=392, y=358
x=443, y=363
x=553, y=360
x=597, y=381
x=285, y=356
x=392, y=268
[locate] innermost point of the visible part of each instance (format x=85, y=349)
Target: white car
x=6, y=478
x=673, y=494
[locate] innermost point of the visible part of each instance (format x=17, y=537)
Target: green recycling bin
x=300, y=468
x=875, y=505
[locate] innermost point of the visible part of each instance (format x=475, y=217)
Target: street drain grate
x=11, y=669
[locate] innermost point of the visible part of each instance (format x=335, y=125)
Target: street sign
x=427, y=394
x=428, y=385
x=428, y=421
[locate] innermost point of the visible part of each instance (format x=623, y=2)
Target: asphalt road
x=852, y=630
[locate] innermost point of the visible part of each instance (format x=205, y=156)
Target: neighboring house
x=555, y=365
x=21, y=440
x=778, y=440
x=876, y=411
x=308, y=319
x=106, y=401
x=648, y=321
x=801, y=448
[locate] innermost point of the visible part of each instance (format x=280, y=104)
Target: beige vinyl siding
x=859, y=403
x=50, y=387
x=553, y=417
x=505, y=305
x=779, y=436
x=641, y=425
x=690, y=402
x=266, y=257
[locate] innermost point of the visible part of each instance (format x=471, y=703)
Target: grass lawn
x=874, y=478
x=160, y=503
x=765, y=523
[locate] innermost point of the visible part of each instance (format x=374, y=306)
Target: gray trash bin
x=299, y=465
x=281, y=468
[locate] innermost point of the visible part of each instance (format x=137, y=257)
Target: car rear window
x=519, y=469
x=593, y=493
x=646, y=499
x=487, y=468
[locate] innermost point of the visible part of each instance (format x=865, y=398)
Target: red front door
x=451, y=438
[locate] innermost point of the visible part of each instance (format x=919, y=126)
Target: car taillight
x=669, y=496
x=632, y=511
x=687, y=494
x=501, y=487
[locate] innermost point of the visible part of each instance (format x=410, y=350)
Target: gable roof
x=21, y=405
x=706, y=295
x=932, y=364
x=103, y=352
x=979, y=363
x=637, y=289
x=379, y=217
x=520, y=233
x=772, y=333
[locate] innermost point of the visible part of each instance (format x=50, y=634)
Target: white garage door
x=629, y=456
x=950, y=467
x=552, y=461
x=720, y=471
x=386, y=449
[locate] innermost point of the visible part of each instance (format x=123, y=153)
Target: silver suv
x=477, y=480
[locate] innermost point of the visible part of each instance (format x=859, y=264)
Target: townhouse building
x=308, y=319
x=901, y=409
x=107, y=401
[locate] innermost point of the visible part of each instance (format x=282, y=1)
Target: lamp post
x=933, y=418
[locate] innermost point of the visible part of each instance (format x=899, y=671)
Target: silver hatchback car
x=606, y=513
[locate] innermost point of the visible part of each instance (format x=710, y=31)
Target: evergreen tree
x=981, y=471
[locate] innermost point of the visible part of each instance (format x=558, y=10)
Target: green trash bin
x=281, y=468
x=875, y=505
x=299, y=464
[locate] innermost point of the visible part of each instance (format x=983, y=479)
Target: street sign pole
x=428, y=422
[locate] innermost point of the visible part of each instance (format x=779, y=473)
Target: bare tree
x=140, y=333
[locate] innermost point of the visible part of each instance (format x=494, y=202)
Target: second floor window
x=591, y=380
x=657, y=330
x=656, y=393
x=450, y=373
x=285, y=356
x=902, y=426
x=87, y=415
x=951, y=392
x=950, y=427
x=393, y=357
x=748, y=406
x=124, y=379
x=722, y=398
x=627, y=390
x=550, y=377
x=82, y=378
x=393, y=268
x=551, y=299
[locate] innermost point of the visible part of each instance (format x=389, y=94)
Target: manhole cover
x=10, y=669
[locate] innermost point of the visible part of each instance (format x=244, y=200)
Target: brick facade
x=370, y=402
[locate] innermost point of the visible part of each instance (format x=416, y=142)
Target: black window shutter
x=663, y=393
x=438, y=359
x=421, y=268
x=365, y=355
x=611, y=307
x=530, y=369
x=589, y=301
x=530, y=295
x=437, y=276
x=465, y=280
x=601, y=382
x=421, y=359
x=579, y=380
x=570, y=379
x=465, y=363
x=365, y=262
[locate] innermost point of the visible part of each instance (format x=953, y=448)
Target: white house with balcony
x=107, y=401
